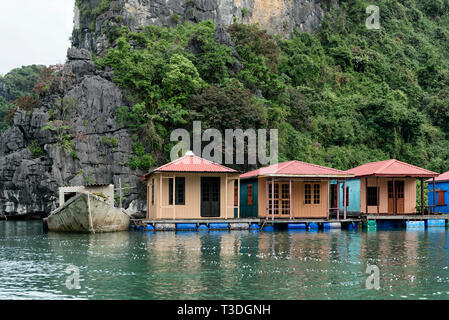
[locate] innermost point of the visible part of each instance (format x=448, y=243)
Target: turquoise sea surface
x=222, y=265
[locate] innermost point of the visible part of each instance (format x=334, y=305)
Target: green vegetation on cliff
x=342, y=97
x=18, y=83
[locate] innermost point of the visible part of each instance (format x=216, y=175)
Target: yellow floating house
x=192, y=188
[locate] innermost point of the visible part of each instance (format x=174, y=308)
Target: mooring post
x=120, y=191
x=422, y=196
x=434, y=197
x=345, y=197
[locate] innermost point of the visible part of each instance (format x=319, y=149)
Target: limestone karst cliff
x=92, y=24
x=85, y=144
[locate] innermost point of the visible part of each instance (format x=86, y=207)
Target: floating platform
x=372, y=222
x=242, y=224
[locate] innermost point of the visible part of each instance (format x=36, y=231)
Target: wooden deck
x=249, y=221
x=406, y=217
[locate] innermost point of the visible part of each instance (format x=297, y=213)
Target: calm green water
x=223, y=265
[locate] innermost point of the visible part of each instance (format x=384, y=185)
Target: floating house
x=438, y=194
x=290, y=190
x=387, y=187
x=192, y=188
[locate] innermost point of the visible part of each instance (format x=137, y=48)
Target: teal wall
x=354, y=195
x=245, y=210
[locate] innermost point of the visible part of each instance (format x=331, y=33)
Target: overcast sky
x=34, y=32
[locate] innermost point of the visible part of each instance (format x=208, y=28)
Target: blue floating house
x=438, y=194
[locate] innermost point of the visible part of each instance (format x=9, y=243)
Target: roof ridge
x=413, y=166
x=192, y=156
x=368, y=163
x=285, y=165
x=256, y=172
x=212, y=162
x=387, y=164
x=318, y=166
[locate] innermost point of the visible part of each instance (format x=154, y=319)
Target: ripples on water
x=223, y=265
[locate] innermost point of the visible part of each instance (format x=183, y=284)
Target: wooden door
x=400, y=197
x=399, y=193
x=390, y=197
x=334, y=190
x=210, y=197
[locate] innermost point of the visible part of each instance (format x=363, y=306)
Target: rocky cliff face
x=34, y=162
x=277, y=16
x=84, y=144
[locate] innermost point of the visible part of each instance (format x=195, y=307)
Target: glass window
x=372, y=196
x=152, y=192
x=440, y=198
x=180, y=191
x=347, y=196
x=170, y=191
x=250, y=195
x=236, y=194
x=308, y=194
x=180, y=197
x=316, y=194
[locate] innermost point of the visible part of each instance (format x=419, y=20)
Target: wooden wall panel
x=409, y=195
x=300, y=209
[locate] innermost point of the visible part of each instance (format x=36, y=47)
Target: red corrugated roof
x=391, y=168
x=192, y=163
x=296, y=168
x=441, y=177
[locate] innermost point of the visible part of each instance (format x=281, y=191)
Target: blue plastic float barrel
x=331, y=225
x=203, y=227
x=254, y=226
x=414, y=224
x=186, y=227
x=436, y=223
x=372, y=224
x=313, y=226
x=165, y=227
x=149, y=227
x=297, y=226
x=353, y=225
x=268, y=228
x=219, y=226
x=239, y=226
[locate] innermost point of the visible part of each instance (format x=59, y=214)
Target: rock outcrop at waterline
x=35, y=161
x=94, y=19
